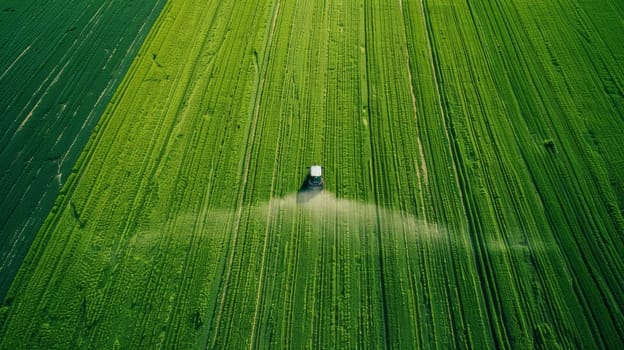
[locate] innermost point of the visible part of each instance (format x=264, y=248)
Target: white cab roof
x=315, y=170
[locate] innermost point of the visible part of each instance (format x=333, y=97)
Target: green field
x=60, y=63
x=474, y=184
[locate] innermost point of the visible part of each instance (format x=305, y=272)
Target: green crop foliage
x=60, y=64
x=473, y=176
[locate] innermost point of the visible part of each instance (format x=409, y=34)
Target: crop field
x=60, y=62
x=474, y=184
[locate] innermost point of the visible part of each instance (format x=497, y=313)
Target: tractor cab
x=315, y=178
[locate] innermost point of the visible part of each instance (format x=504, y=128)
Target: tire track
x=250, y=142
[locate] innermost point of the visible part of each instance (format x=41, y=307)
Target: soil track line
x=254, y=322
x=468, y=212
x=439, y=95
x=422, y=170
x=259, y=294
x=261, y=77
x=387, y=341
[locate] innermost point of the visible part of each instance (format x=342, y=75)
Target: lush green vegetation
x=474, y=184
x=60, y=64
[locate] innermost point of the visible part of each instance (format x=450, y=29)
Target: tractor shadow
x=306, y=192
